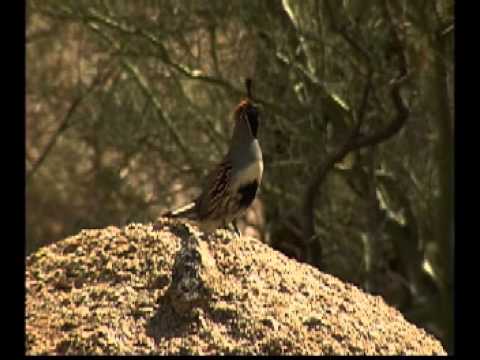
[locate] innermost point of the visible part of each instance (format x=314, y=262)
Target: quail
x=231, y=186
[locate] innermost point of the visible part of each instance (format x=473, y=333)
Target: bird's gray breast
x=246, y=177
x=248, y=165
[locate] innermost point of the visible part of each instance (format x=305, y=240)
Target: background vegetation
x=129, y=104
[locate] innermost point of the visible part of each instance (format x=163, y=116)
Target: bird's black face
x=251, y=115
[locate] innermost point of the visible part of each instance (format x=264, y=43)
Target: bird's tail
x=186, y=211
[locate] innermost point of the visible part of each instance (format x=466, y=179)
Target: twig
x=66, y=123
x=96, y=18
x=142, y=83
x=353, y=141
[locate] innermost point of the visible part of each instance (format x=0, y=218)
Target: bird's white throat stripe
x=252, y=172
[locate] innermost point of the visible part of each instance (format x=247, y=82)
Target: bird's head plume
x=246, y=112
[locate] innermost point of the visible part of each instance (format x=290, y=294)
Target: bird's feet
x=235, y=229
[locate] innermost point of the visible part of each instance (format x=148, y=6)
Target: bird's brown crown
x=247, y=112
x=242, y=107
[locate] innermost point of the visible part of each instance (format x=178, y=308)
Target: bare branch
x=142, y=83
x=95, y=18
x=213, y=49
x=354, y=141
x=347, y=37
x=66, y=122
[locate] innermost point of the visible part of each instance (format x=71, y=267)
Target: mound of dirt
x=140, y=290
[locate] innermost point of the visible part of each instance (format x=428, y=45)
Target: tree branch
x=142, y=83
x=354, y=141
x=66, y=123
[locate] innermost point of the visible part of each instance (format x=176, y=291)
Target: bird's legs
x=232, y=226
x=235, y=227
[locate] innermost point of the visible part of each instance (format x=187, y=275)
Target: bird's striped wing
x=213, y=202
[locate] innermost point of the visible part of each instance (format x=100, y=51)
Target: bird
x=231, y=186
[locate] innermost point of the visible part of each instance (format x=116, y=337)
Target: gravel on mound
x=112, y=291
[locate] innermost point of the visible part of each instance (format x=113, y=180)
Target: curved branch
x=354, y=141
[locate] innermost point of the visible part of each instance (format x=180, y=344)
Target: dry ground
x=107, y=292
